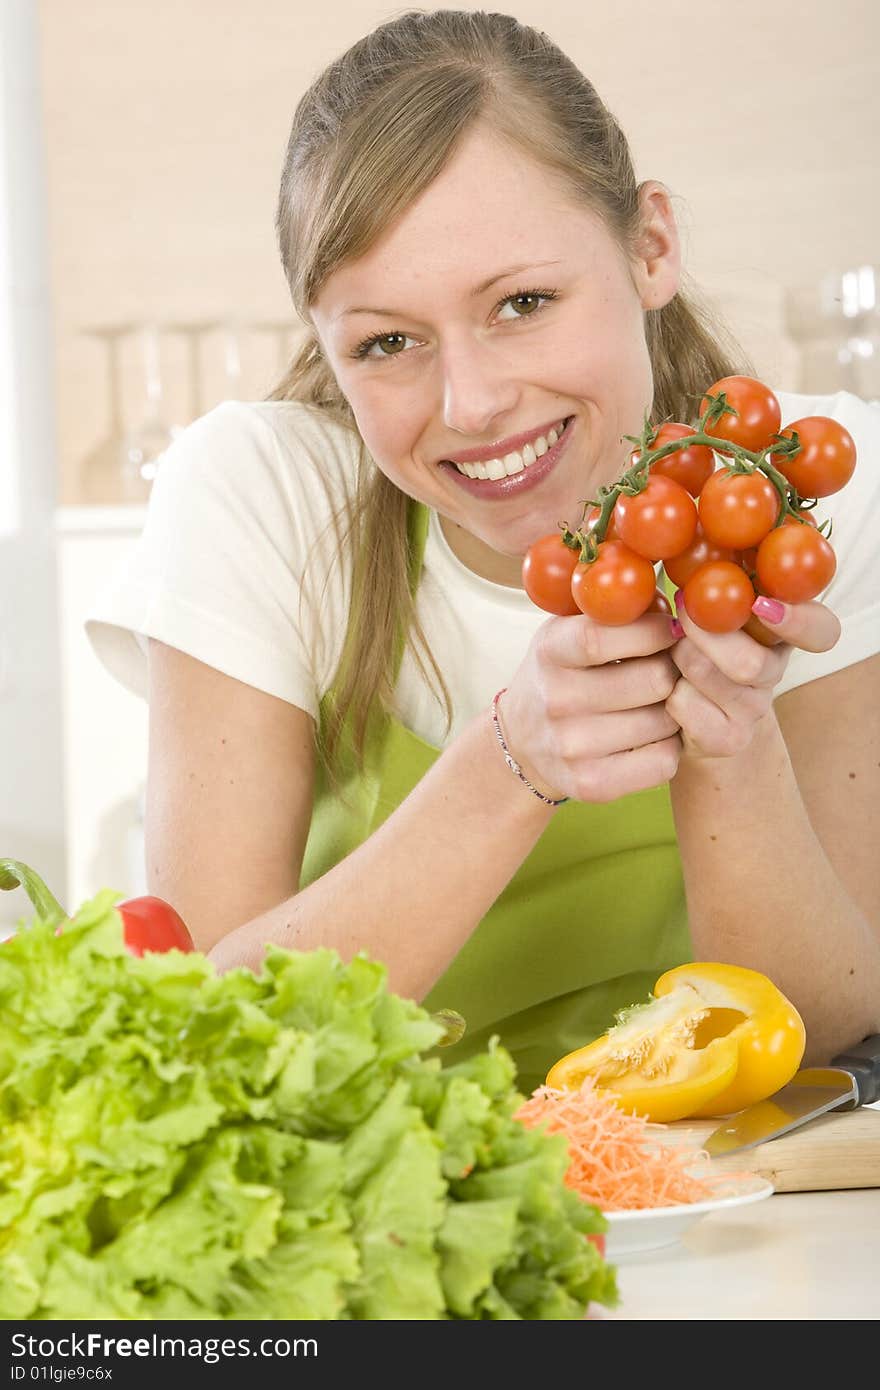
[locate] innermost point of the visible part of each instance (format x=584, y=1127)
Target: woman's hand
x=586, y=714
x=727, y=680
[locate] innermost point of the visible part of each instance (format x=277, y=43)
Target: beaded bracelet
x=511, y=761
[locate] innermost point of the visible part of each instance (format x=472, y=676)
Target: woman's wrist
x=732, y=768
x=548, y=798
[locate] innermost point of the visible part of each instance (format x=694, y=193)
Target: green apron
x=593, y=916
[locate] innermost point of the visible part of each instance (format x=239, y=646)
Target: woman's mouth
x=514, y=472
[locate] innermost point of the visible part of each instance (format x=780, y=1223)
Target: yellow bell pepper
x=712, y=1039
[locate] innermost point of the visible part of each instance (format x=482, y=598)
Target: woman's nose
x=477, y=389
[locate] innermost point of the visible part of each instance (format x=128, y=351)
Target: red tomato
x=591, y=516
x=615, y=588
x=151, y=924
x=719, y=597
x=756, y=629
x=688, y=467
x=805, y=515
x=738, y=509
x=749, y=558
x=827, y=458
x=598, y=1239
x=795, y=563
x=660, y=604
x=759, y=413
x=547, y=570
x=658, y=522
x=699, y=552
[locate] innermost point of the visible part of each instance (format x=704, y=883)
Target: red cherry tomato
x=827, y=457
x=719, y=597
x=615, y=588
x=151, y=924
x=738, y=509
x=749, y=558
x=547, y=570
x=794, y=563
x=591, y=516
x=699, y=552
x=658, y=522
x=660, y=604
x=805, y=515
x=759, y=413
x=598, y=1239
x=756, y=629
x=690, y=467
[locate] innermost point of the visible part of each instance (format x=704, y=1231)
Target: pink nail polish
x=677, y=629
x=679, y=600
x=770, y=610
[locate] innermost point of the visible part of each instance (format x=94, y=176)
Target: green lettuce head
x=178, y=1144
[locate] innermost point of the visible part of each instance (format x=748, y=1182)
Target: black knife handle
x=863, y=1062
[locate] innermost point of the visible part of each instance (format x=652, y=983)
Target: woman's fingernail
x=679, y=600
x=768, y=609
x=677, y=629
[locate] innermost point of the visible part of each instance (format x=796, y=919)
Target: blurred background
x=140, y=152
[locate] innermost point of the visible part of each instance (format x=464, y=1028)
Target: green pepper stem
x=14, y=874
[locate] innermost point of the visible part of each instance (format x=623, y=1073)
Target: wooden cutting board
x=834, y=1151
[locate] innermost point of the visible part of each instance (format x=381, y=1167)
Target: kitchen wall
x=166, y=125
x=143, y=146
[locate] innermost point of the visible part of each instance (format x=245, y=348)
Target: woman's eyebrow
x=475, y=292
x=511, y=270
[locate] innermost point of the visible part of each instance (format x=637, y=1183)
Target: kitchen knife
x=852, y=1079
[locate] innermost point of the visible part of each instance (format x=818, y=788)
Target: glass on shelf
x=216, y=359
x=145, y=442
x=835, y=326
x=120, y=469
x=194, y=332
x=101, y=479
x=216, y=356
x=285, y=332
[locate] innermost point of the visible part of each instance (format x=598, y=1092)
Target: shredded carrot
x=619, y=1162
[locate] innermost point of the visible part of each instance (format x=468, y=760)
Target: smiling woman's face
x=496, y=317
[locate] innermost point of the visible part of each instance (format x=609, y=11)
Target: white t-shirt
x=235, y=567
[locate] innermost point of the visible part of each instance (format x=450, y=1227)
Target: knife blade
x=852, y=1079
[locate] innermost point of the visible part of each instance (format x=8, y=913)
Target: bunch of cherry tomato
x=723, y=534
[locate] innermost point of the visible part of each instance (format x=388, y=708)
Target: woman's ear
x=657, y=264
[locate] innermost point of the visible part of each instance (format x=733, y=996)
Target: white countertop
x=796, y=1256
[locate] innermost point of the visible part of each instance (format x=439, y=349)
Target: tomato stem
x=635, y=479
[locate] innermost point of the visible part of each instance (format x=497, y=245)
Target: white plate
x=633, y=1232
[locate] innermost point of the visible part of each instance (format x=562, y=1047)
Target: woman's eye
x=525, y=303
x=388, y=344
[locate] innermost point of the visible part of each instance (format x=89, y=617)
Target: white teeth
x=514, y=462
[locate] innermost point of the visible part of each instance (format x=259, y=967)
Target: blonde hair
x=368, y=137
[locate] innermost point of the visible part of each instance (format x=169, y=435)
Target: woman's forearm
x=416, y=889
x=761, y=891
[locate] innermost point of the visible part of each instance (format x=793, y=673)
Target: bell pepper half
x=712, y=1039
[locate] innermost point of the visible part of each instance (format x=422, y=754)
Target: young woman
x=328, y=594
